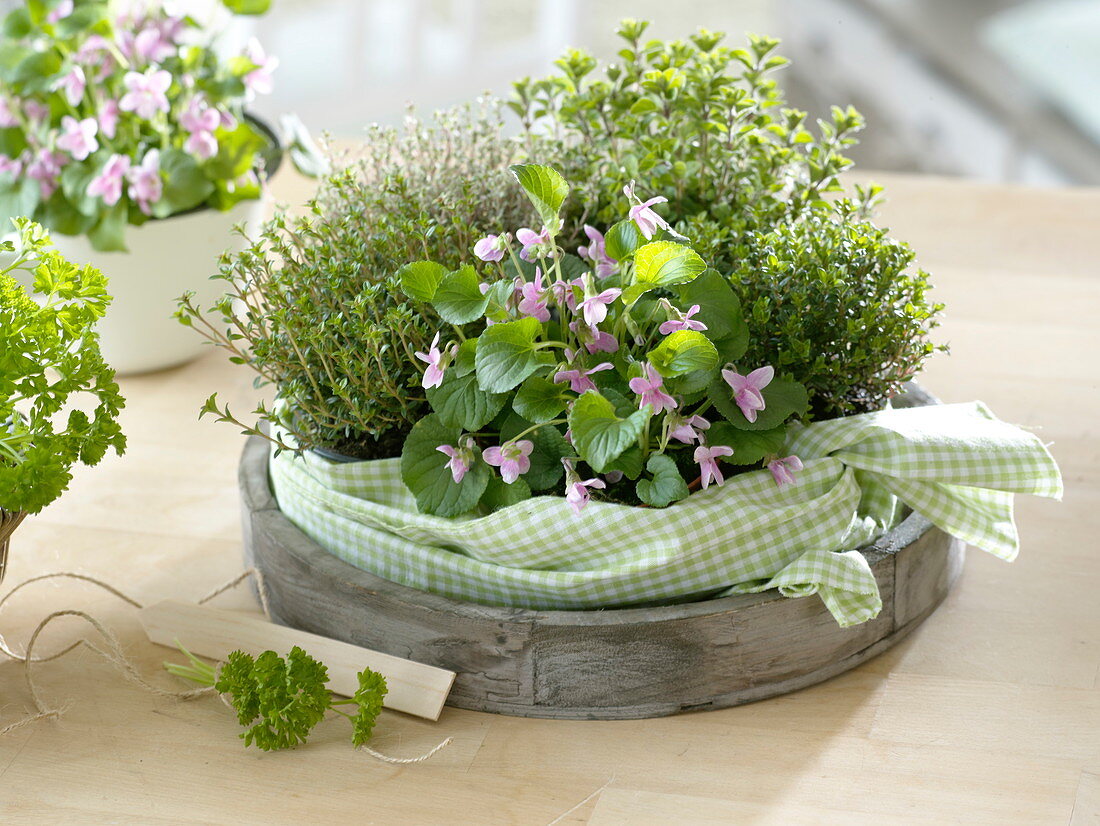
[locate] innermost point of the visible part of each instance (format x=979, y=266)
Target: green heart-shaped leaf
x=420, y=279
x=459, y=299
x=546, y=188
x=666, y=485
x=540, y=400
x=599, y=434
x=683, y=351
x=506, y=354
x=662, y=264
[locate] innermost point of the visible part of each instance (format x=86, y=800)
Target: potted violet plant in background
x=125, y=133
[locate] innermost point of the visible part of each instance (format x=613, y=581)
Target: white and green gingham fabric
x=956, y=464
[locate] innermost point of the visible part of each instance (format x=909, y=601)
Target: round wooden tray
x=611, y=664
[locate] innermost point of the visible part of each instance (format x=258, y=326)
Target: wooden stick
x=414, y=688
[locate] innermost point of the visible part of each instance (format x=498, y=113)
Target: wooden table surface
x=989, y=713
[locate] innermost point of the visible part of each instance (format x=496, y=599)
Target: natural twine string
x=115, y=655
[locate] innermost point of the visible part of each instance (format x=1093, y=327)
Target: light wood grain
x=987, y=714
x=413, y=688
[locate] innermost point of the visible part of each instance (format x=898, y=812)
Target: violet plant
x=614, y=371
x=113, y=114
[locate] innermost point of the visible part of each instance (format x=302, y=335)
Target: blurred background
x=998, y=90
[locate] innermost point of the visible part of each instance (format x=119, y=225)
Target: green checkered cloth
x=956, y=464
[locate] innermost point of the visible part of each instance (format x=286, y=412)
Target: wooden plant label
x=414, y=688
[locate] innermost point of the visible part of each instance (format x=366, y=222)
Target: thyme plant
x=313, y=304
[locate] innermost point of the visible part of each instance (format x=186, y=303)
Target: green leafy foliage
x=280, y=700
x=747, y=179
x=48, y=181
x=59, y=403
x=328, y=308
x=368, y=700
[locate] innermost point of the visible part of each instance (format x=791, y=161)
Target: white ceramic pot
x=166, y=258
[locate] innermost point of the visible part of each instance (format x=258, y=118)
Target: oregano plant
x=754, y=184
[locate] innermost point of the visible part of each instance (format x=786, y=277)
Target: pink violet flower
x=259, y=81
x=534, y=243
x=513, y=458
x=491, y=248
x=199, y=116
x=593, y=338
x=108, y=118
x=565, y=293
x=649, y=389
x=460, y=458
x=578, y=379
x=783, y=470
x=78, y=137
x=594, y=308
x=642, y=214
x=145, y=92
x=10, y=166
x=577, y=489
x=59, y=12
x=707, y=458
x=533, y=300
x=577, y=495
x=35, y=110
x=45, y=167
x=433, y=375
x=72, y=83
x=146, y=185
x=748, y=390
x=7, y=116
x=596, y=252
x=687, y=430
x=152, y=45
x=202, y=145
x=684, y=322
x=108, y=183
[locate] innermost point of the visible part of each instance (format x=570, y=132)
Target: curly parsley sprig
x=59, y=403
x=280, y=700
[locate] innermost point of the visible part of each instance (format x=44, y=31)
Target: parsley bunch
x=280, y=700
x=59, y=403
